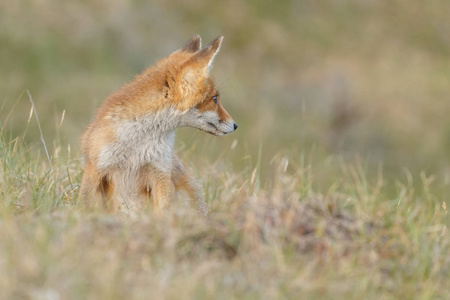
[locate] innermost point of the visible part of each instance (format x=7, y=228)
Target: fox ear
x=195, y=71
x=204, y=58
x=193, y=45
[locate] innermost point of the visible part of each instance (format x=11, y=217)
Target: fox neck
x=147, y=140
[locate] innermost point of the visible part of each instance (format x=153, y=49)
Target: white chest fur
x=148, y=140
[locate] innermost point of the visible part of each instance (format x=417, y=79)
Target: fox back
x=129, y=145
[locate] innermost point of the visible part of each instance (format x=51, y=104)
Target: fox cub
x=129, y=145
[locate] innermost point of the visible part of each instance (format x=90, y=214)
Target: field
x=335, y=185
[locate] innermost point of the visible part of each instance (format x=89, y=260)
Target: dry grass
x=312, y=83
x=280, y=239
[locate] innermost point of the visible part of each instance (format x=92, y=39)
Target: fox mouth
x=216, y=131
x=213, y=125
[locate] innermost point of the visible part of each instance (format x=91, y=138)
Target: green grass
x=275, y=239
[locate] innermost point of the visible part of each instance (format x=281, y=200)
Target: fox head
x=192, y=89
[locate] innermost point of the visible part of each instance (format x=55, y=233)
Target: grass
x=335, y=186
x=276, y=239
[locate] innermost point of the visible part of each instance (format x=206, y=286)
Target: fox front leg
x=185, y=182
x=95, y=189
x=163, y=193
x=196, y=198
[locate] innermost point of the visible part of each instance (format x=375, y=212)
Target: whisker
x=223, y=83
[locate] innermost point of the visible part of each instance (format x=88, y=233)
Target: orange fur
x=175, y=92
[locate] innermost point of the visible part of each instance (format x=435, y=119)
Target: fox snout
x=226, y=123
x=226, y=127
x=211, y=122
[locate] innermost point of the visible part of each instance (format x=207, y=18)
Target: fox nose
x=235, y=126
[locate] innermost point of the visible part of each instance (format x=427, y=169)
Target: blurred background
x=329, y=80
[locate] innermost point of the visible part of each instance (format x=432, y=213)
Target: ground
x=279, y=239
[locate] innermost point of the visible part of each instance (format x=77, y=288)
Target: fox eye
x=215, y=99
